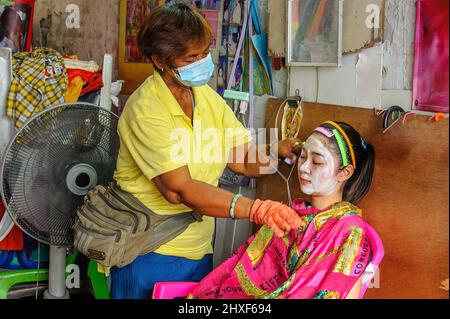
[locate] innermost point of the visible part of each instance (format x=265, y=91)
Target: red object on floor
x=14, y=240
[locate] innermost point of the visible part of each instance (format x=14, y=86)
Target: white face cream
x=317, y=168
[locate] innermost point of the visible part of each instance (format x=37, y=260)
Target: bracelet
x=233, y=205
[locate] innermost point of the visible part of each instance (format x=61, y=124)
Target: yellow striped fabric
x=39, y=80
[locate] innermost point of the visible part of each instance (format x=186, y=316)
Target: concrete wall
x=97, y=34
x=399, y=33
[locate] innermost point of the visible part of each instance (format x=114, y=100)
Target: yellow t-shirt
x=157, y=137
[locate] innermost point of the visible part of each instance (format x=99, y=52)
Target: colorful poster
x=200, y=4
x=233, y=11
x=212, y=16
x=15, y=24
x=224, y=71
x=237, y=78
x=137, y=12
x=431, y=76
x=230, y=39
x=212, y=4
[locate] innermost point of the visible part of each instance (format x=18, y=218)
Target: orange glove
x=277, y=216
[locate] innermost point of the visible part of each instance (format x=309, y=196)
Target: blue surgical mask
x=196, y=74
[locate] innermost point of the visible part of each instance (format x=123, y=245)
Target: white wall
x=356, y=83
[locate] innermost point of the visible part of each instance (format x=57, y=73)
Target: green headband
x=342, y=147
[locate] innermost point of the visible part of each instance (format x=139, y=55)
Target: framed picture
x=16, y=22
x=314, y=32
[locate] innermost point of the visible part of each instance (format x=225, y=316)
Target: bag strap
x=196, y=217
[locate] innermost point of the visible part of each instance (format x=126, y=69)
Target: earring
x=162, y=70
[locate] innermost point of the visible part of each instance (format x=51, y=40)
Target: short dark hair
x=357, y=187
x=170, y=30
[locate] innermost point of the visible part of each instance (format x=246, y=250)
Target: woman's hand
x=277, y=216
x=289, y=148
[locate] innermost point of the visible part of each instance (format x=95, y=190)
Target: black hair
x=360, y=182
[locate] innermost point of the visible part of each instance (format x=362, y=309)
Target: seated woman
x=326, y=258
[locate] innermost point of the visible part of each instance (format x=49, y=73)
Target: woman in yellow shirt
x=177, y=136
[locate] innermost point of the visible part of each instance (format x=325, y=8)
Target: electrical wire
x=286, y=180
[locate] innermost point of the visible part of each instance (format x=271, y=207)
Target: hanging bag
x=113, y=227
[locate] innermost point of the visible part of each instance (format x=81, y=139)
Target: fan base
x=47, y=295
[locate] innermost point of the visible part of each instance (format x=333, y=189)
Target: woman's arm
x=255, y=161
x=356, y=290
x=179, y=188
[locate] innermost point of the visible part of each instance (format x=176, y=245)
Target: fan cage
x=38, y=159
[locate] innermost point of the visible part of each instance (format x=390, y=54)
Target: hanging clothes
x=262, y=74
x=84, y=77
x=262, y=69
x=82, y=82
x=72, y=62
x=74, y=91
x=94, y=83
x=39, y=80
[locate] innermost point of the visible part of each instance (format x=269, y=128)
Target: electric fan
x=48, y=167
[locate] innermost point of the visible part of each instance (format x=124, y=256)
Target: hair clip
x=345, y=136
x=363, y=143
x=342, y=147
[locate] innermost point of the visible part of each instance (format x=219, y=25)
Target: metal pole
x=57, y=274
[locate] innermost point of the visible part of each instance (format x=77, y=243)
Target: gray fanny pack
x=113, y=227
